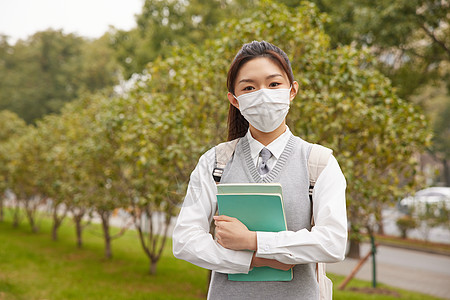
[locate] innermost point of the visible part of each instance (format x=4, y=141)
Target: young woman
x=260, y=88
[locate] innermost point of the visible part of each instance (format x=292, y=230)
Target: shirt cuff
x=244, y=259
x=266, y=242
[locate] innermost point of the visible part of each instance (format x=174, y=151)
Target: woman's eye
x=274, y=84
x=248, y=88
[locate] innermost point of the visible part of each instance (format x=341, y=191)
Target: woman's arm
x=326, y=241
x=191, y=238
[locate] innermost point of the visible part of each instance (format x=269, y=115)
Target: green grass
x=32, y=266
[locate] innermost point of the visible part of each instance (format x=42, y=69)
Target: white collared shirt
x=326, y=241
x=276, y=147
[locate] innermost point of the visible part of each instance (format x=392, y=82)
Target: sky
x=89, y=18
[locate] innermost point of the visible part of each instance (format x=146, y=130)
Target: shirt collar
x=276, y=147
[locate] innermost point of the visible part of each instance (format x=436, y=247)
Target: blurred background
x=106, y=106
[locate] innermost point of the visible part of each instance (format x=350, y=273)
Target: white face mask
x=265, y=109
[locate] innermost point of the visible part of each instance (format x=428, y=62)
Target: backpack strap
x=224, y=152
x=317, y=161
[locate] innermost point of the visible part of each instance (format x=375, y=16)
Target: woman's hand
x=264, y=262
x=232, y=234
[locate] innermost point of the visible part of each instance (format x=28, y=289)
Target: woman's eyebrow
x=246, y=80
x=268, y=77
x=274, y=75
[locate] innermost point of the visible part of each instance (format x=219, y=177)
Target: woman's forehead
x=259, y=68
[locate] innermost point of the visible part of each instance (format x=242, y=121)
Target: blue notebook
x=259, y=212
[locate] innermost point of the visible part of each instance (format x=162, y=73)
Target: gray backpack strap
x=224, y=152
x=317, y=161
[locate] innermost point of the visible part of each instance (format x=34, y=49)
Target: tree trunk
x=31, y=220
x=380, y=227
x=34, y=227
x=15, y=222
x=105, y=215
x=153, y=264
x=30, y=211
x=379, y=220
x=77, y=215
x=446, y=172
x=78, y=229
x=1, y=210
x=56, y=223
x=354, y=251
x=55, y=232
x=154, y=245
x=403, y=233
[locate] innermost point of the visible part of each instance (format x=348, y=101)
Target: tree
x=409, y=37
x=441, y=140
x=431, y=215
x=167, y=23
x=41, y=74
x=412, y=44
x=98, y=151
x=406, y=223
x=51, y=135
x=11, y=126
x=98, y=68
x=26, y=162
x=155, y=160
x=344, y=103
x=76, y=183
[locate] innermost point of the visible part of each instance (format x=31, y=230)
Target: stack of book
x=259, y=206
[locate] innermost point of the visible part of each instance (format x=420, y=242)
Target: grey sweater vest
x=292, y=172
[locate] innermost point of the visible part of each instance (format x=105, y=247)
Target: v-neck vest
x=291, y=172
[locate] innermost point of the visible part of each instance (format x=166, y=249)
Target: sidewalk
x=407, y=269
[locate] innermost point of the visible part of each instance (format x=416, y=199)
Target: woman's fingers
x=232, y=234
x=218, y=220
x=223, y=218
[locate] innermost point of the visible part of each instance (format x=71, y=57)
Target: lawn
x=32, y=266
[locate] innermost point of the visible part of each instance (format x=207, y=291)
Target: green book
x=249, y=188
x=260, y=208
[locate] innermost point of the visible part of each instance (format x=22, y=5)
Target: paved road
x=406, y=269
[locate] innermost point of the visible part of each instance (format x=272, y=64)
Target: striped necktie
x=265, y=156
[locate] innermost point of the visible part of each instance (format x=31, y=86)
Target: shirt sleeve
x=327, y=240
x=191, y=238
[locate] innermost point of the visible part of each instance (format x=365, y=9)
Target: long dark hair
x=237, y=124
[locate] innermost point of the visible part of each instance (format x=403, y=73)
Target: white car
x=430, y=196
